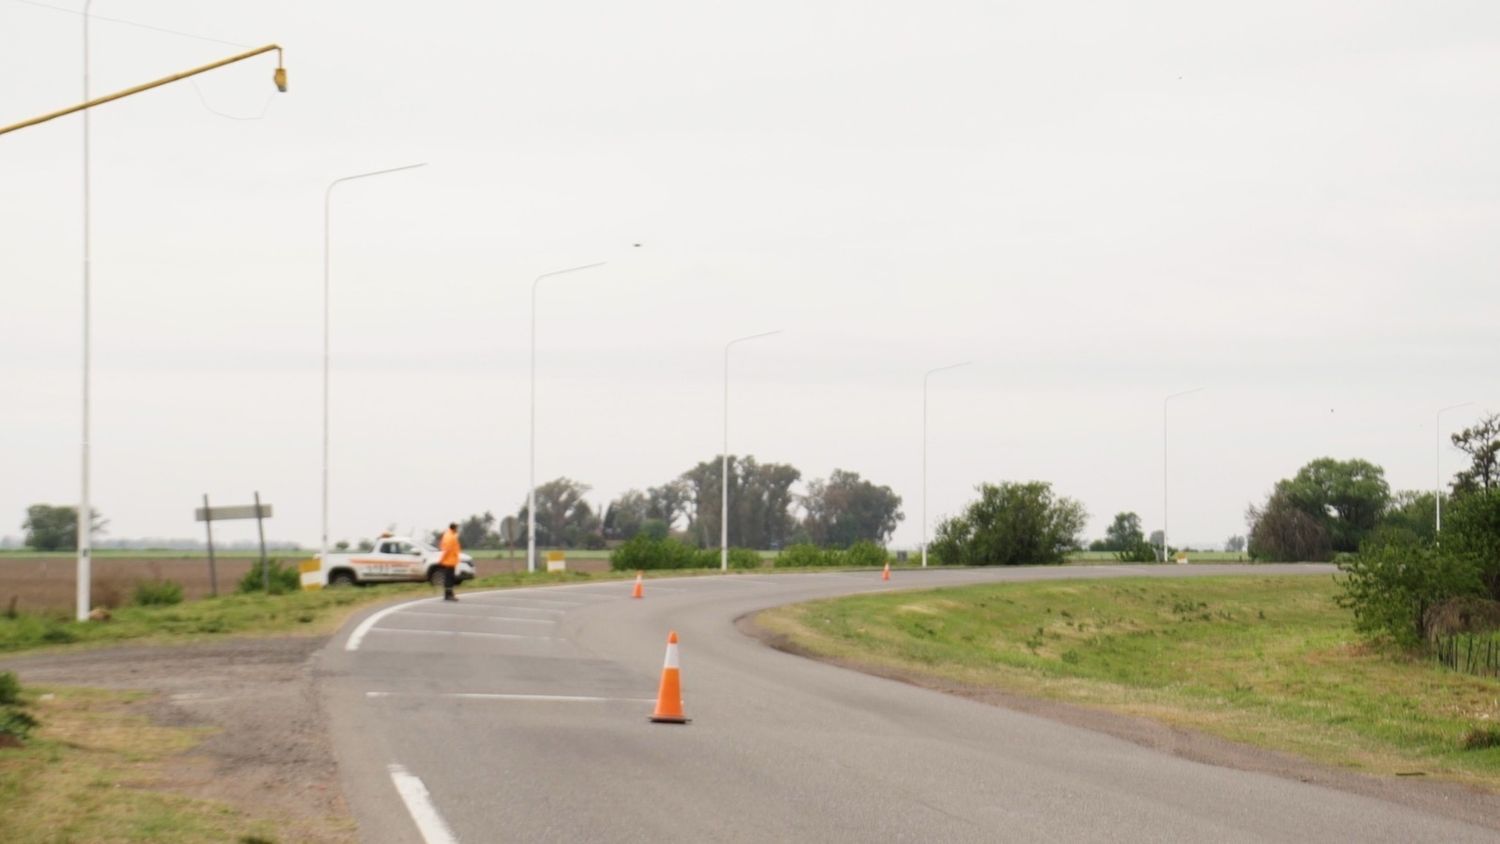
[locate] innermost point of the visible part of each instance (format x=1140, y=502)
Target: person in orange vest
x=449, y=560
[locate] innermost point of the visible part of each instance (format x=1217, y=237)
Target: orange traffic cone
x=886, y=575
x=639, y=591
x=669, y=697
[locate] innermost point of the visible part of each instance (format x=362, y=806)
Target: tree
x=478, y=531
x=1235, y=544
x=1282, y=532
x=50, y=528
x=626, y=515
x=1124, y=533
x=1412, y=511
x=1395, y=580
x=1348, y=497
x=669, y=501
x=563, y=518
x=760, y=501
x=1482, y=444
x=1157, y=538
x=1011, y=524
x=846, y=509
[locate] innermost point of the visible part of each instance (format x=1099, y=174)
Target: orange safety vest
x=450, y=549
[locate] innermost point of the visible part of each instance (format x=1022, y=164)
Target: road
x=521, y=715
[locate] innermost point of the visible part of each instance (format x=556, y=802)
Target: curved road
x=520, y=715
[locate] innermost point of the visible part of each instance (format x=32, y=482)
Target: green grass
x=1271, y=661
x=1193, y=557
x=88, y=775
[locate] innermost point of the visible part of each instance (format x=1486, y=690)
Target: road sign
x=239, y=511
x=257, y=511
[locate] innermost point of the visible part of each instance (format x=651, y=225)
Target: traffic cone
x=886, y=575
x=669, y=697
x=639, y=591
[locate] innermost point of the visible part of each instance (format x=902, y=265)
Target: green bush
x=157, y=593
x=14, y=720
x=866, y=554
x=743, y=558
x=805, y=555
x=1395, y=579
x=1141, y=552
x=10, y=689
x=1011, y=524
x=641, y=552
x=284, y=579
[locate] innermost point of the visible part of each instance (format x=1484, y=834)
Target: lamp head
x=280, y=79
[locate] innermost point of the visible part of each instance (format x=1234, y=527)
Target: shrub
x=15, y=723
x=641, y=552
x=284, y=579
x=1011, y=524
x=157, y=593
x=1480, y=738
x=1141, y=552
x=1395, y=579
x=805, y=555
x=10, y=689
x=866, y=554
x=743, y=558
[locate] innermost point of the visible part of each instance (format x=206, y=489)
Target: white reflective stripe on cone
x=672, y=658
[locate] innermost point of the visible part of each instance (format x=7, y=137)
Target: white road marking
x=537, y=601
x=364, y=626
x=462, y=633
x=418, y=802
x=499, y=696
x=478, y=616
x=521, y=608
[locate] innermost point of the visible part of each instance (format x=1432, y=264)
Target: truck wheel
x=341, y=580
x=435, y=576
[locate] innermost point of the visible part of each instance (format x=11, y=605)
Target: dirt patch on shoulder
x=1448, y=799
x=267, y=751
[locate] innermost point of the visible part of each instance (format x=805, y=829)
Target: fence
x=1470, y=653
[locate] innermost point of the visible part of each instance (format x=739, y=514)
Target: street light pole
x=85, y=506
x=327, y=289
x=1437, y=490
x=724, y=456
x=1164, y=464
x=531, y=484
x=926, y=375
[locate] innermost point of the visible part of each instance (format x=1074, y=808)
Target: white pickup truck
x=391, y=559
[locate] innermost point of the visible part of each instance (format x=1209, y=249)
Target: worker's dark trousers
x=449, y=573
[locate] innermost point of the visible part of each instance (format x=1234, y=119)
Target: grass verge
x=1268, y=661
x=84, y=776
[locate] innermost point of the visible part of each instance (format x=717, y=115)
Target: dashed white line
x=476, y=615
x=500, y=696
x=473, y=633
x=418, y=802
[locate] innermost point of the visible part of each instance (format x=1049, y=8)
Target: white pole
x=531, y=471
x=928, y=374
x=327, y=264
x=1437, y=490
x=85, y=506
x=1164, y=465
x=724, y=456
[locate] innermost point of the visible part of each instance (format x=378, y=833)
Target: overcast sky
x=1292, y=204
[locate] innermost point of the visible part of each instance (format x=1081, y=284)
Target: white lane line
x=480, y=616
x=472, y=633
x=364, y=626
x=418, y=802
x=498, y=696
x=536, y=601
x=523, y=609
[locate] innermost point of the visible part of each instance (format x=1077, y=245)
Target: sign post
x=257, y=511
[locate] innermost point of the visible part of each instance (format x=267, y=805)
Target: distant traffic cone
x=886, y=575
x=639, y=591
x=669, y=697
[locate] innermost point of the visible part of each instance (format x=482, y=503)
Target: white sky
x=1293, y=204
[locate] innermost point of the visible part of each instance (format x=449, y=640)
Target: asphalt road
x=521, y=715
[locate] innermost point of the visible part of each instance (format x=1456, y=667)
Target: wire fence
x=1470, y=653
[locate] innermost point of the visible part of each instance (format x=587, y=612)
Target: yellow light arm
x=279, y=78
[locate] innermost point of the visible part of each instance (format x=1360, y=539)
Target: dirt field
x=46, y=583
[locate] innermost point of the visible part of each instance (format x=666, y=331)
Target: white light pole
x=85, y=506
x=1437, y=491
x=1164, y=464
x=327, y=264
x=724, y=456
x=926, y=375
x=531, y=486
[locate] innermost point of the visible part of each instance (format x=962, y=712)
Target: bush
x=283, y=579
x=10, y=689
x=157, y=593
x=1473, y=529
x=805, y=555
x=1011, y=524
x=1395, y=579
x=1141, y=552
x=866, y=554
x=641, y=552
x=15, y=722
x=743, y=558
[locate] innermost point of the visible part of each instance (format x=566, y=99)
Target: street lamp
x=1164, y=464
x=327, y=286
x=926, y=375
x=85, y=516
x=1437, y=491
x=531, y=487
x=724, y=456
